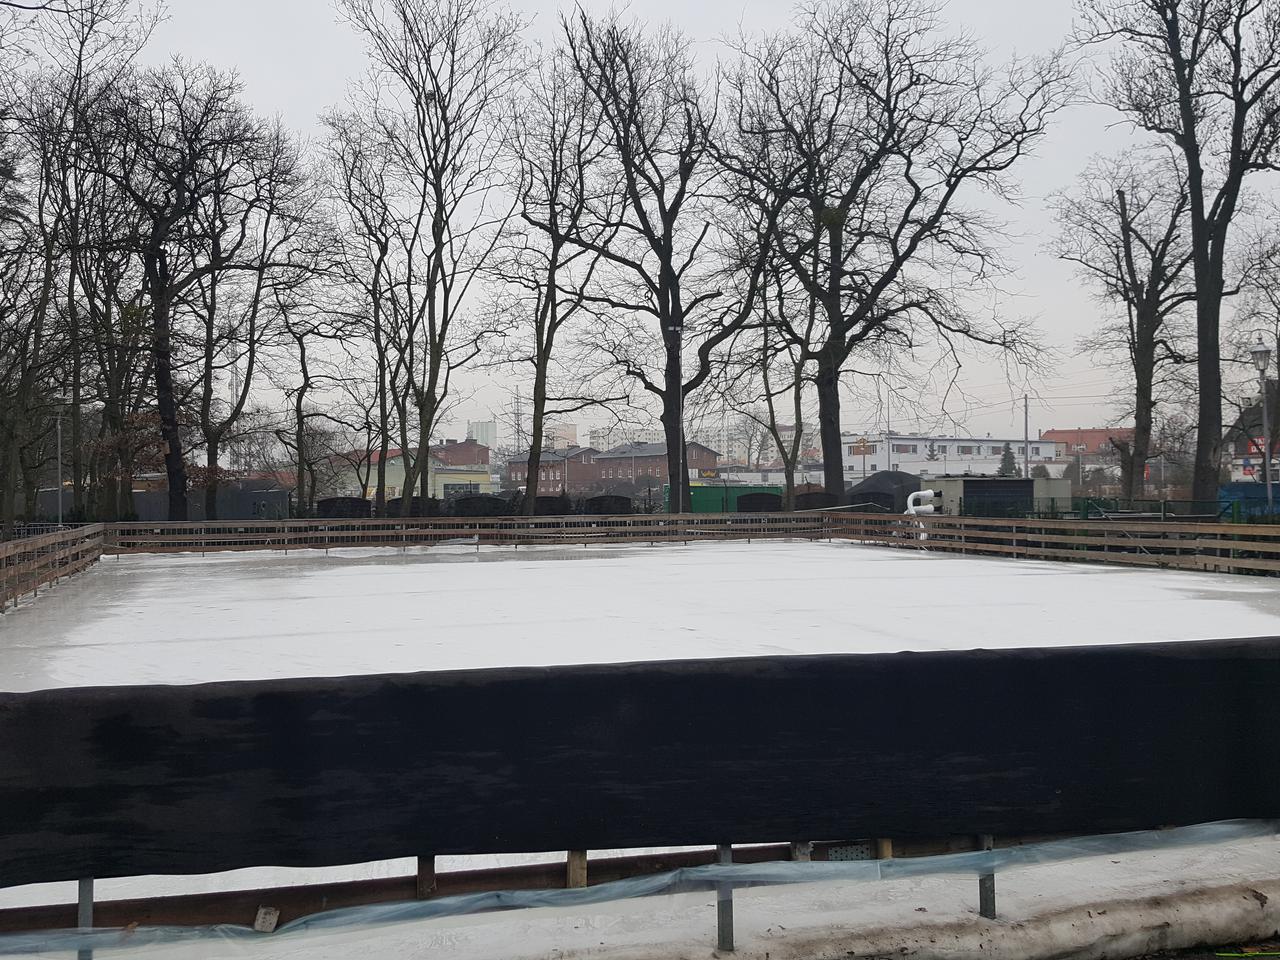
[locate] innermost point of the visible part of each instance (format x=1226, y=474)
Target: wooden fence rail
x=1216, y=547
x=500, y=531
x=29, y=564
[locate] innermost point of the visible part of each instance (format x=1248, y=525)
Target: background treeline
x=606, y=220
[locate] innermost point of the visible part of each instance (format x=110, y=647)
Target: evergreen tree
x=1008, y=465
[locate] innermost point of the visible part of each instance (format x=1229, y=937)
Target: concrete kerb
x=1105, y=930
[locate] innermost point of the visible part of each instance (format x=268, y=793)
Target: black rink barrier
x=102, y=782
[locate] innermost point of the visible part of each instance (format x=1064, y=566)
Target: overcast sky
x=296, y=59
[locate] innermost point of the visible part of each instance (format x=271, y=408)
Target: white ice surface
x=186, y=619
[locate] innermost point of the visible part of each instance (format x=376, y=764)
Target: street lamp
x=1261, y=354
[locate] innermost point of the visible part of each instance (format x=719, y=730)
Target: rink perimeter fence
x=29, y=564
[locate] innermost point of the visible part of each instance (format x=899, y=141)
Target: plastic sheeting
x=300, y=937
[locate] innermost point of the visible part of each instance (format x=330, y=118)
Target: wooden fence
x=1216, y=547
x=27, y=565
x=498, y=531
x=1221, y=547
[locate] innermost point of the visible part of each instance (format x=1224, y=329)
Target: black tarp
x=816, y=500
x=759, y=503
x=346, y=508
x=480, y=505
x=887, y=490
x=101, y=782
x=607, y=505
x=418, y=507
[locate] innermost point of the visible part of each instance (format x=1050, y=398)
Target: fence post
x=987, y=883
x=84, y=913
x=724, y=903
x=426, y=880
x=575, y=874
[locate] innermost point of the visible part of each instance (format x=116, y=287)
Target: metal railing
x=28, y=564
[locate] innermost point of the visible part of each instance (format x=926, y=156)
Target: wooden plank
x=576, y=869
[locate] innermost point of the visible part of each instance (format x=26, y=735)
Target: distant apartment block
x=938, y=455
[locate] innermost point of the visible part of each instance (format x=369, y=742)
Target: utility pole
x=1026, y=440
x=1262, y=360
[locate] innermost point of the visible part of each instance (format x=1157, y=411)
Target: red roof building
x=1089, y=441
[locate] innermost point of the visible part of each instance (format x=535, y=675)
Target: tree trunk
x=530, y=505
x=211, y=482
x=166, y=400
x=1140, y=451
x=9, y=488
x=827, y=384
x=673, y=428
x=1205, y=478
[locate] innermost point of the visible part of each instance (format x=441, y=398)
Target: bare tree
x=1125, y=228
x=871, y=125
x=357, y=176
x=554, y=242
x=248, y=228
x=441, y=73
x=1203, y=76
x=183, y=135
x=672, y=259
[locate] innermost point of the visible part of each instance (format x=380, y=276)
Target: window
x=996, y=451
x=941, y=448
x=1035, y=451
x=964, y=450
x=904, y=448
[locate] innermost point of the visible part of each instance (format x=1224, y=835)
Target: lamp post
x=59, y=401
x=1261, y=354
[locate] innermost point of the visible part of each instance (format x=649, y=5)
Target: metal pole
x=724, y=904
x=987, y=884
x=59, y=465
x=680, y=459
x=1266, y=442
x=84, y=913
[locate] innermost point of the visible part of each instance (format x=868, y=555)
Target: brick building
x=1093, y=443
x=461, y=453
x=633, y=461
x=577, y=464
x=591, y=471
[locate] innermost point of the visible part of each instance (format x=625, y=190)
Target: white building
x=484, y=432
x=938, y=455
x=606, y=438
x=560, y=436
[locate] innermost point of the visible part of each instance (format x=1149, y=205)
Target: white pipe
x=915, y=507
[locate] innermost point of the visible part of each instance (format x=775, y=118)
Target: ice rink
x=183, y=618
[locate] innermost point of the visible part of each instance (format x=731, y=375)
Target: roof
x=549, y=455
x=1093, y=439
x=645, y=450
